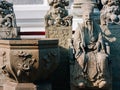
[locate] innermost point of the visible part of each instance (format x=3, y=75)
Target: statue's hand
x=82, y=47
x=97, y=46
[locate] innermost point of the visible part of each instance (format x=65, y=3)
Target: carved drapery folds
x=58, y=14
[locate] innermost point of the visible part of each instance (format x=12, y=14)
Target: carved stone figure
x=91, y=53
x=110, y=12
x=7, y=20
x=58, y=15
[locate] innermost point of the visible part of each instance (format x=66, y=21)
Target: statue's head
x=88, y=15
x=88, y=12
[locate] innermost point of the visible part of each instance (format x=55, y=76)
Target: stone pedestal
x=26, y=86
x=27, y=61
x=77, y=88
x=63, y=33
x=19, y=86
x=61, y=77
x=115, y=55
x=9, y=33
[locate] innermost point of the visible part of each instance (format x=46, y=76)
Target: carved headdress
x=88, y=8
x=87, y=1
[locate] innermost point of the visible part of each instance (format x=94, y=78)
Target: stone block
x=23, y=59
x=19, y=86
x=115, y=55
x=62, y=33
x=9, y=33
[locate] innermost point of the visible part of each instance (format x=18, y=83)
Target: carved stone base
x=61, y=76
x=77, y=88
x=19, y=86
x=115, y=55
x=26, y=86
x=61, y=32
x=9, y=33
x=22, y=59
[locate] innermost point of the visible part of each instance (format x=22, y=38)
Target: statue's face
x=88, y=17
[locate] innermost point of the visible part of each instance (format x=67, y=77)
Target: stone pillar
x=60, y=26
x=114, y=38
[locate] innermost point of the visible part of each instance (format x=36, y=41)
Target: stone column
x=59, y=26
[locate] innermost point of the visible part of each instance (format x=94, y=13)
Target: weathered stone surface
x=62, y=33
x=9, y=33
x=8, y=27
x=90, y=67
x=62, y=73
x=115, y=55
x=26, y=86
x=29, y=60
x=19, y=86
x=110, y=12
x=58, y=14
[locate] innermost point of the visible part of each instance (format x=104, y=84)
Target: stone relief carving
x=58, y=14
x=63, y=33
x=23, y=65
x=3, y=58
x=91, y=54
x=7, y=14
x=48, y=58
x=7, y=20
x=110, y=13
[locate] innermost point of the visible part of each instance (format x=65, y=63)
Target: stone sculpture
x=7, y=20
x=91, y=53
x=58, y=15
x=110, y=13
